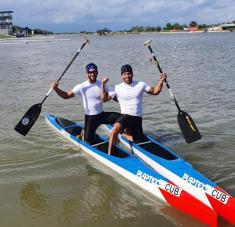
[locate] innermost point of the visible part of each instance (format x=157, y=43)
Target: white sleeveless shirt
x=130, y=97
x=91, y=97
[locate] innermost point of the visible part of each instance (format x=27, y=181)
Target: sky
x=91, y=15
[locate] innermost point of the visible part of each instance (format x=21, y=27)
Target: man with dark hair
x=90, y=92
x=129, y=94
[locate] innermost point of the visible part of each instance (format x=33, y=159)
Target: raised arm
x=158, y=87
x=63, y=94
x=105, y=97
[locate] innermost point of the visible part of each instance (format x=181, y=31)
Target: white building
x=6, y=22
x=222, y=27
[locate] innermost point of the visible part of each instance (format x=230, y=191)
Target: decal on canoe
x=220, y=196
x=215, y=193
x=173, y=189
x=194, y=182
x=148, y=178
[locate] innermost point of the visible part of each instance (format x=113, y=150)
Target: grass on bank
x=4, y=36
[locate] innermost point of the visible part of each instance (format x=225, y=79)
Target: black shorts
x=134, y=125
x=92, y=122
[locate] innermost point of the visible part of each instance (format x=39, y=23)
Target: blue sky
x=91, y=15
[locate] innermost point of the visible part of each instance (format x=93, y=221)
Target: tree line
x=29, y=31
x=167, y=27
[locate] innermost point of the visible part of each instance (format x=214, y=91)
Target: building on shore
x=222, y=27
x=191, y=29
x=6, y=22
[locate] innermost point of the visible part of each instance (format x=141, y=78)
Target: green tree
x=16, y=29
x=169, y=26
x=137, y=29
x=104, y=30
x=177, y=26
x=158, y=28
x=202, y=26
x=193, y=24
x=149, y=29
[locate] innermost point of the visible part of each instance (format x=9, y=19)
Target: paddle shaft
x=166, y=82
x=70, y=63
x=186, y=123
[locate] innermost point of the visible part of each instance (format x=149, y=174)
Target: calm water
x=45, y=181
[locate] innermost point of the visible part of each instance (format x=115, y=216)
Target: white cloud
x=117, y=13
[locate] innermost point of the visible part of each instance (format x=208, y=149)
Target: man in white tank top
x=129, y=94
x=90, y=93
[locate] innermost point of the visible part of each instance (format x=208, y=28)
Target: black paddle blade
x=188, y=127
x=28, y=120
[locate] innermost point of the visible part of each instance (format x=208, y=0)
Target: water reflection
x=89, y=205
x=179, y=218
x=33, y=199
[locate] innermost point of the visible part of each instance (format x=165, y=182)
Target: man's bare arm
x=105, y=97
x=63, y=94
x=158, y=87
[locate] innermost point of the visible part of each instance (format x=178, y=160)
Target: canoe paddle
x=29, y=118
x=186, y=123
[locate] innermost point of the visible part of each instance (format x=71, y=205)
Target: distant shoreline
x=161, y=32
x=7, y=37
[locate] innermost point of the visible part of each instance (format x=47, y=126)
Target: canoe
x=135, y=170
x=181, y=173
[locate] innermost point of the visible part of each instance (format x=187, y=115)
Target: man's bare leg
x=127, y=133
x=113, y=136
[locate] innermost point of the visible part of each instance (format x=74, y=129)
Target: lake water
x=46, y=181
